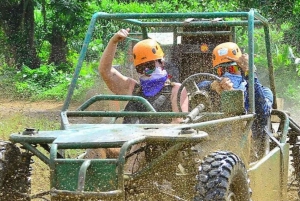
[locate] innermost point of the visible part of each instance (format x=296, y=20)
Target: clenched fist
x=120, y=35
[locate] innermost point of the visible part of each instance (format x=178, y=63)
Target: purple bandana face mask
x=152, y=83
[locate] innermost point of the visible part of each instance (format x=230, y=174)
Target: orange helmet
x=146, y=50
x=222, y=51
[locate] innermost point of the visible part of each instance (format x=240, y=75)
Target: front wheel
x=15, y=172
x=222, y=176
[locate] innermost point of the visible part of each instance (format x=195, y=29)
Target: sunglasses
x=230, y=69
x=146, y=68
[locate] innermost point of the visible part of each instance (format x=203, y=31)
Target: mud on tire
x=222, y=176
x=295, y=162
x=15, y=172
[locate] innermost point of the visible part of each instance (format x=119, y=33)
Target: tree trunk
x=58, y=47
x=17, y=21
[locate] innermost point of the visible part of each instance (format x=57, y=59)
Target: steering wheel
x=190, y=84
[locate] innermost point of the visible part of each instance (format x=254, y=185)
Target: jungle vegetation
x=41, y=41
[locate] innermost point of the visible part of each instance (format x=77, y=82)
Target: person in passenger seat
x=154, y=83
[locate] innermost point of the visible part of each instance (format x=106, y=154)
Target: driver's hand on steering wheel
x=224, y=84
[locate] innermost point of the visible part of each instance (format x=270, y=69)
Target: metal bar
x=83, y=51
x=85, y=195
x=260, y=18
x=124, y=114
x=135, y=16
x=175, y=35
x=233, y=34
x=144, y=31
x=64, y=120
x=251, y=62
x=214, y=33
x=218, y=121
x=70, y=161
x=86, y=104
x=135, y=22
x=91, y=145
x=31, y=139
x=36, y=152
x=197, y=24
x=293, y=125
x=121, y=160
x=285, y=119
x=53, y=155
x=82, y=175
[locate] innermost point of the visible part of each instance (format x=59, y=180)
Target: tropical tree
x=17, y=23
x=66, y=21
x=280, y=12
x=63, y=20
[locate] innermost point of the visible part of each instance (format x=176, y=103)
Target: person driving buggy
x=154, y=85
x=232, y=66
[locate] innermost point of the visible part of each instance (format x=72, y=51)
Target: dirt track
x=50, y=109
x=8, y=107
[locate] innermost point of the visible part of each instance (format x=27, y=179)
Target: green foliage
x=44, y=51
x=163, y=6
x=7, y=74
x=31, y=82
x=69, y=17
x=72, y=17
x=286, y=78
x=49, y=83
x=113, y=6
x=3, y=41
x=95, y=47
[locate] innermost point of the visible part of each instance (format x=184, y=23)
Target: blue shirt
x=263, y=98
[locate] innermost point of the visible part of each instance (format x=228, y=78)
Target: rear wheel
x=295, y=161
x=222, y=176
x=15, y=173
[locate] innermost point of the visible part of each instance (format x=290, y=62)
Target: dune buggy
x=207, y=157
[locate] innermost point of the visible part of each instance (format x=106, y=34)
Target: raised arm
x=116, y=82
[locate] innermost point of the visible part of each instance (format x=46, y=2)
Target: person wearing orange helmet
x=231, y=65
x=154, y=83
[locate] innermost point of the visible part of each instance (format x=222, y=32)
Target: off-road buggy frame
x=207, y=157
